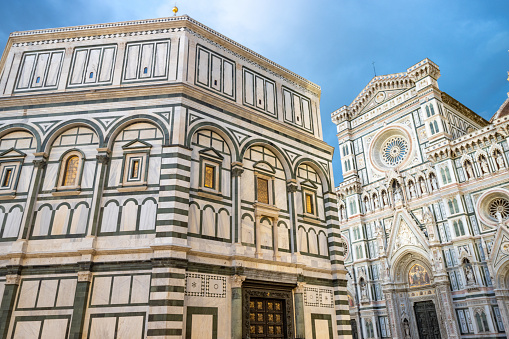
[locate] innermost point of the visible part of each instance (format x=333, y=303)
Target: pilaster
x=300, y=325
x=80, y=301
x=7, y=306
x=236, y=309
x=38, y=178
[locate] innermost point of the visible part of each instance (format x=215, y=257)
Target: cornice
x=458, y=106
x=164, y=89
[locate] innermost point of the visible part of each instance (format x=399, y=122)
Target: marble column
x=80, y=303
x=35, y=184
x=291, y=186
x=103, y=160
x=275, y=239
x=10, y=291
x=391, y=302
x=237, y=171
x=300, y=328
x=502, y=297
x=443, y=292
x=258, y=253
x=236, y=309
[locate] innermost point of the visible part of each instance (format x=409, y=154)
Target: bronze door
x=427, y=321
x=266, y=318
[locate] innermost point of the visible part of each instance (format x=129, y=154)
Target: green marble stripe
x=166, y=302
x=165, y=317
x=164, y=331
x=168, y=275
x=171, y=235
x=167, y=288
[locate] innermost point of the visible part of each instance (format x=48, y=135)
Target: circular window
x=492, y=206
x=394, y=151
x=499, y=205
x=390, y=148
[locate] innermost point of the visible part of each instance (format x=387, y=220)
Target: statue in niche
x=413, y=193
x=406, y=329
x=384, y=198
x=375, y=200
x=397, y=194
x=469, y=274
x=343, y=213
x=364, y=291
x=434, y=184
x=499, y=160
x=423, y=186
x=484, y=165
x=469, y=169
x=366, y=205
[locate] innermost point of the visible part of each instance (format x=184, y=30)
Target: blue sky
x=330, y=42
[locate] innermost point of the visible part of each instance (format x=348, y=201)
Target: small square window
x=210, y=176
x=262, y=190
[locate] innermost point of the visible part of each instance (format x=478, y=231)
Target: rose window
x=394, y=151
x=499, y=205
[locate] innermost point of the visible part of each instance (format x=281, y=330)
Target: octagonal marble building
x=160, y=180
x=424, y=211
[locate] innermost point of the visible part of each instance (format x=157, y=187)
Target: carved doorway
x=266, y=318
x=267, y=311
x=427, y=321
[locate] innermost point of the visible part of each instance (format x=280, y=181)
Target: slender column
x=291, y=186
x=300, y=325
x=502, y=306
x=391, y=303
x=102, y=164
x=10, y=291
x=237, y=171
x=236, y=309
x=38, y=175
x=258, y=253
x=80, y=302
x=275, y=242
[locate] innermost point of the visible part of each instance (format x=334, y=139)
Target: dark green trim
x=6, y=308
x=79, y=311
x=327, y=317
x=201, y=310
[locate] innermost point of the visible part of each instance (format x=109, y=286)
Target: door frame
x=257, y=289
x=433, y=302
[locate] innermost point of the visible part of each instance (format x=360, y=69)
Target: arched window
x=458, y=228
x=436, y=125
x=455, y=203
x=444, y=179
x=71, y=171
x=482, y=322
x=448, y=174
x=432, y=109
x=427, y=112
x=431, y=128
x=451, y=207
x=461, y=228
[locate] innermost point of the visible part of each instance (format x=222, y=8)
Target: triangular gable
x=12, y=153
x=309, y=184
x=264, y=166
x=211, y=152
x=500, y=250
x=379, y=98
x=136, y=144
x=405, y=232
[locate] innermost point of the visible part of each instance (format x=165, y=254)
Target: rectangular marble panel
x=260, y=93
x=133, y=52
x=287, y=97
x=66, y=293
x=306, y=114
x=120, y=290
x=101, y=291
x=2, y=288
x=141, y=289
x=79, y=67
x=47, y=293
x=26, y=71
x=249, y=88
x=107, y=65
x=202, y=326
x=54, y=68
x=27, y=330
x=54, y=329
x=297, y=110
x=130, y=327
x=270, y=97
x=93, y=65
x=40, y=70
x=216, y=73
x=322, y=328
x=102, y=328
x=161, y=59
x=147, y=53
x=228, y=78
x=28, y=294
x=203, y=67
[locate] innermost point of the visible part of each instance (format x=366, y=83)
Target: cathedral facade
x=159, y=180
x=424, y=211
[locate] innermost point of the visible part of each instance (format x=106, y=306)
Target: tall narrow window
x=436, y=126
x=263, y=190
x=71, y=171
x=432, y=110
x=431, y=128
x=310, y=205
x=427, y=111
x=461, y=228
x=448, y=174
x=7, y=177
x=135, y=169
x=210, y=176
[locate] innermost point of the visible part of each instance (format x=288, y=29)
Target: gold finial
x=175, y=10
